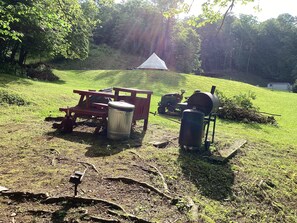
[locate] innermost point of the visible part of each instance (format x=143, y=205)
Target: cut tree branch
x=162, y=177
x=143, y=184
x=157, y=171
x=226, y=13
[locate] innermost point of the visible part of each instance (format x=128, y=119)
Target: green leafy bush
x=245, y=100
x=11, y=99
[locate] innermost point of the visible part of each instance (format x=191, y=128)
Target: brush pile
x=240, y=108
x=41, y=71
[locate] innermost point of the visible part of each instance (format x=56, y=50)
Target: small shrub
x=11, y=99
x=294, y=87
x=245, y=100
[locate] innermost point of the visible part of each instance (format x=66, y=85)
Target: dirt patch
x=149, y=184
x=46, y=161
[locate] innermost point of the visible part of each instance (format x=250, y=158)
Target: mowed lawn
x=269, y=157
x=46, y=98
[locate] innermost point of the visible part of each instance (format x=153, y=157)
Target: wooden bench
x=88, y=107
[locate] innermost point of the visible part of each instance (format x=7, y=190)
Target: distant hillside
x=248, y=78
x=101, y=58
x=104, y=57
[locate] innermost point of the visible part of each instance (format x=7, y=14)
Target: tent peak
x=153, y=63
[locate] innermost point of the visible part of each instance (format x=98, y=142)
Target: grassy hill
x=101, y=57
x=258, y=184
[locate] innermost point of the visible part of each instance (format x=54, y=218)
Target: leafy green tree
x=217, y=47
x=268, y=49
x=137, y=27
x=244, y=33
x=186, y=49
x=140, y=27
x=276, y=48
x=45, y=26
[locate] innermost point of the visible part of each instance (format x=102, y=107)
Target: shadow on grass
x=142, y=79
x=173, y=117
x=108, y=147
x=256, y=126
x=98, y=145
x=53, y=82
x=213, y=180
x=5, y=79
x=110, y=75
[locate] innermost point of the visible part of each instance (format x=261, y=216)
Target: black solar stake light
x=76, y=179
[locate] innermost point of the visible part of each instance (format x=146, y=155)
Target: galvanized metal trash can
x=191, y=129
x=120, y=115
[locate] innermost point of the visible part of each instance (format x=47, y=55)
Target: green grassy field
x=258, y=185
x=47, y=97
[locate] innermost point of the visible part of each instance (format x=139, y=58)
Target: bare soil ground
x=43, y=163
x=125, y=181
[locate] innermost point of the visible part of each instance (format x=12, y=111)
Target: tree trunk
x=165, y=54
x=23, y=55
x=231, y=59
x=14, y=51
x=248, y=62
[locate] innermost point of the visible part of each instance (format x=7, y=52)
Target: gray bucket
x=120, y=115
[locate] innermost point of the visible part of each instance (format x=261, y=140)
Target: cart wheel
x=161, y=110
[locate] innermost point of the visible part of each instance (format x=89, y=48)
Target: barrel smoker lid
x=121, y=105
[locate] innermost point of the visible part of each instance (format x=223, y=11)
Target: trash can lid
x=121, y=105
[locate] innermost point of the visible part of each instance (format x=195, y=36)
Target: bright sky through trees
x=268, y=8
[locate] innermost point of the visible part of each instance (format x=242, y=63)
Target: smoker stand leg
x=213, y=128
x=75, y=189
x=206, y=143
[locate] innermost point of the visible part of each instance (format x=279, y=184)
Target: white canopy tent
x=153, y=63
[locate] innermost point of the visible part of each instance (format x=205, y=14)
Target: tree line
x=267, y=49
x=66, y=28
x=139, y=27
x=241, y=44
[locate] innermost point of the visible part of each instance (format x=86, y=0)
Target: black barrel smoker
x=196, y=120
